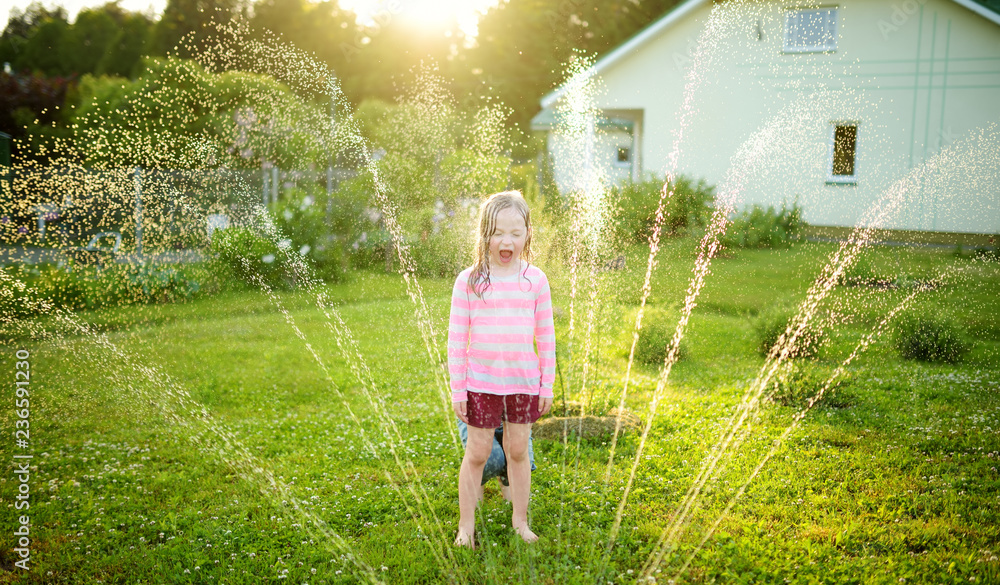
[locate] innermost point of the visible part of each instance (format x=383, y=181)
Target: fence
x=151, y=209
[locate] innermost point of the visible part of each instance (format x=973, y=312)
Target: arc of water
x=578, y=126
x=732, y=435
x=413, y=288
x=656, y=557
x=303, y=273
x=768, y=139
x=317, y=78
x=692, y=79
x=876, y=216
x=184, y=410
x=359, y=368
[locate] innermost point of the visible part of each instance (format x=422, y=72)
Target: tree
x=123, y=55
x=524, y=45
x=45, y=50
x=192, y=20
x=106, y=39
x=21, y=25
x=176, y=115
x=25, y=98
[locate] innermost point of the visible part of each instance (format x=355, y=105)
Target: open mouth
x=506, y=255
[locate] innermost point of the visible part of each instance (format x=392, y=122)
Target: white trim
x=649, y=32
x=980, y=10
x=831, y=145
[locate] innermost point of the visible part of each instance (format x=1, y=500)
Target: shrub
x=859, y=273
x=931, y=339
x=78, y=288
x=319, y=227
x=757, y=227
x=636, y=205
x=63, y=288
x=250, y=256
x=770, y=325
x=658, y=326
x=142, y=283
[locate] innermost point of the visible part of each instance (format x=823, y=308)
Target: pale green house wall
x=915, y=77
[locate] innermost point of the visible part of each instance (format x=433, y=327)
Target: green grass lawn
x=234, y=440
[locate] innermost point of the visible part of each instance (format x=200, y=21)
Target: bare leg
x=515, y=439
x=505, y=490
x=477, y=451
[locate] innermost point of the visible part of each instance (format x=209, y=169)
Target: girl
x=500, y=308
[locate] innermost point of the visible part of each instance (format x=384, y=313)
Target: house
x=852, y=97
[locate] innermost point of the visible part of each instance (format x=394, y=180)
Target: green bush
x=636, y=203
x=770, y=325
x=758, y=227
x=251, y=256
x=321, y=227
x=658, y=326
x=65, y=289
x=79, y=288
x=143, y=283
x=860, y=272
x=931, y=339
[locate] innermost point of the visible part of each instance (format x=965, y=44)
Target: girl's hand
x=461, y=409
x=544, y=406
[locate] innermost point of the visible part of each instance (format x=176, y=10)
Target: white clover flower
x=267, y=259
x=304, y=250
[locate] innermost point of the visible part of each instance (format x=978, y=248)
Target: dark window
x=845, y=140
x=624, y=154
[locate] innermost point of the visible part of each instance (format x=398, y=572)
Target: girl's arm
x=458, y=339
x=545, y=338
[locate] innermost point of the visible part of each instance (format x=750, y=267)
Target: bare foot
x=505, y=490
x=525, y=533
x=464, y=539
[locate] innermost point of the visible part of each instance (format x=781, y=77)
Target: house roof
x=988, y=9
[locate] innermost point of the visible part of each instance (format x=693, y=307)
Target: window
x=843, y=153
x=624, y=156
x=811, y=30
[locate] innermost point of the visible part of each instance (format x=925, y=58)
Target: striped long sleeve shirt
x=491, y=340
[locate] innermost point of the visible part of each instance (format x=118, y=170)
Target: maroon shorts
x=487, y=411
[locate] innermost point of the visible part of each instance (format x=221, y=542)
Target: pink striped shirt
x=491, y=340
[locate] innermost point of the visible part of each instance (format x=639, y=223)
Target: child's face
x=508, y=239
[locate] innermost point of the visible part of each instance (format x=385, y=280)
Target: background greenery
x=517, y=57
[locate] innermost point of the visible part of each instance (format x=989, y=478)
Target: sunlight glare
x=426, y=13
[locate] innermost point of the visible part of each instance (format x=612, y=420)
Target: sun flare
x=426, y=13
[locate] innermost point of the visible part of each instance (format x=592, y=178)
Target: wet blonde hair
x=479, y=278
